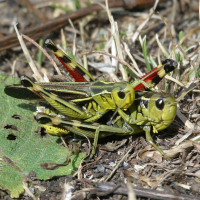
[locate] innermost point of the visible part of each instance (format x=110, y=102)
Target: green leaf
x=40, y=54
x=23, y=149
x=180, y=35
x=145, y=53
x=77, y=3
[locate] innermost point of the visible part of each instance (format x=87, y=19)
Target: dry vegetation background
x=123, y=167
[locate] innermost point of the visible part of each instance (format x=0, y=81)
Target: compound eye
x=160, y=104
x=121, y=94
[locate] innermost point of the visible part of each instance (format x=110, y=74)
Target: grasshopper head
x=162, y=110
x=123, y=95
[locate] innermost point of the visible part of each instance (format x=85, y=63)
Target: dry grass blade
x=137, y=33
x=36, y=74
x=28, y=191
x=115, y=35
x=131, y=193
x=44, y=52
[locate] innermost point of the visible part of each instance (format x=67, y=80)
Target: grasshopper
x=98, y=96
x=150, y=109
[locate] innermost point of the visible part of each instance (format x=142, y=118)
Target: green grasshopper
x=99, y=97
x=150, y=109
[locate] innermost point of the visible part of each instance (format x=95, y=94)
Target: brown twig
x=59, y=22
x=155, y=194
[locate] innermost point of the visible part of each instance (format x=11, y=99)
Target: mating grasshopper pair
x=82, y=105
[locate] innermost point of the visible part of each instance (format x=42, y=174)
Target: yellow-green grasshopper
x=99, y=97
x=150, y=111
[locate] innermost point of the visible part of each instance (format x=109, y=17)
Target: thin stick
x=44, y=52
x=118, y=164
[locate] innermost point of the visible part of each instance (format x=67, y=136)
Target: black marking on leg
x=50, y=45
x=80, y=71
x=156, y=80
x=65, y=59
x=169, y=65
